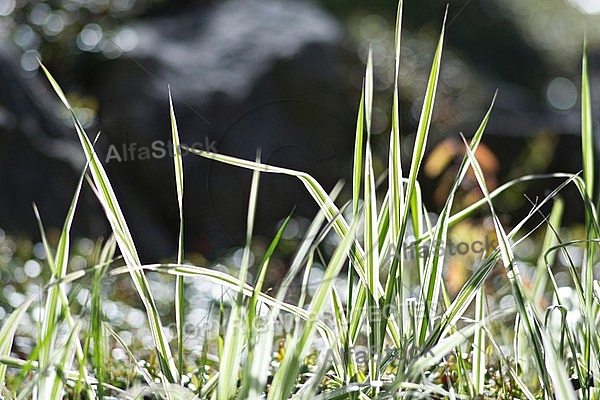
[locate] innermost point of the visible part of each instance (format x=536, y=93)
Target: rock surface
x=245, y=75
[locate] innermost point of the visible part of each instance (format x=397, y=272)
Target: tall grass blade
x=399, y=221
x=372, y=252
x=479, y=356
x=7, y=335
x=531, y=324
x=358, y=155
x=57, y=300
x=229, y=365
x=587, y=133
x=97, y=316
x=396, y=203
x=66, y=360
x=285, y=377
x=124, y=239
x=592, y=232
x=550, y=240
x=562, y=387
x=432, y=276
x=469, y=290
x=369, y=93
x=423, y=127
x=179, y=284
x=254, y=376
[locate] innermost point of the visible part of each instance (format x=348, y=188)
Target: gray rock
x=244, y=75
x=40, y=160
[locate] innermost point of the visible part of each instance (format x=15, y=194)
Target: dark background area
x=284, y=76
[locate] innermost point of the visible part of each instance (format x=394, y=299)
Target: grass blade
x=372, y=252
x=179, y=284
x=587, y=133
x=531, y=323
x=587, y=270
x=479, y=356
x=124, y=239
x=285, y=377
x=235, y=338
x=254, y=376
x=7, y=335
x=424, y=123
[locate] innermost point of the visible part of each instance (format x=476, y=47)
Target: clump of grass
x=419, y=342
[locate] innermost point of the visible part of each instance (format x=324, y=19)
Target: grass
x=393, y=329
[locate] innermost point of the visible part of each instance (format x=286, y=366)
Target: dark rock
x=244, y=75
x=39, y=156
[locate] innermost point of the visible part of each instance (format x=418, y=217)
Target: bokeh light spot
x=29, y=60
x=587, y=6
x=89, y=37
x=7, y=7
x=38, y=13
x=561, y=94
x=54, y=24
x=25, y=37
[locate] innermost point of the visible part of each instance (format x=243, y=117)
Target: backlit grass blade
x=66, y=360
x=433, y=355
x=479, y=356
x=432, y=276
x=285, y=377
x=124, y=239
x=348, y=368
x=561, y=385
x=254, y=375
x=396, y=186
x=315, y=189
x=550, y=240
x=587, y=138
x=179, y=284
x=329, y=208
x=371, y=238
x=57, y=301
x=7, y=335
x=530, y=322
x=471, y=209
x=424, y=124
x=369, y=93
x=469, y=290
x=358, y=155
x=399, y=212
x=225, y=280
x=97, y=334
x=587, y=270
x=235, y=339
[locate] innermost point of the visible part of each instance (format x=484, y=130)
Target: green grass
x=419, y=340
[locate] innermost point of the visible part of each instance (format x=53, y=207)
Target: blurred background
x=284, y=76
